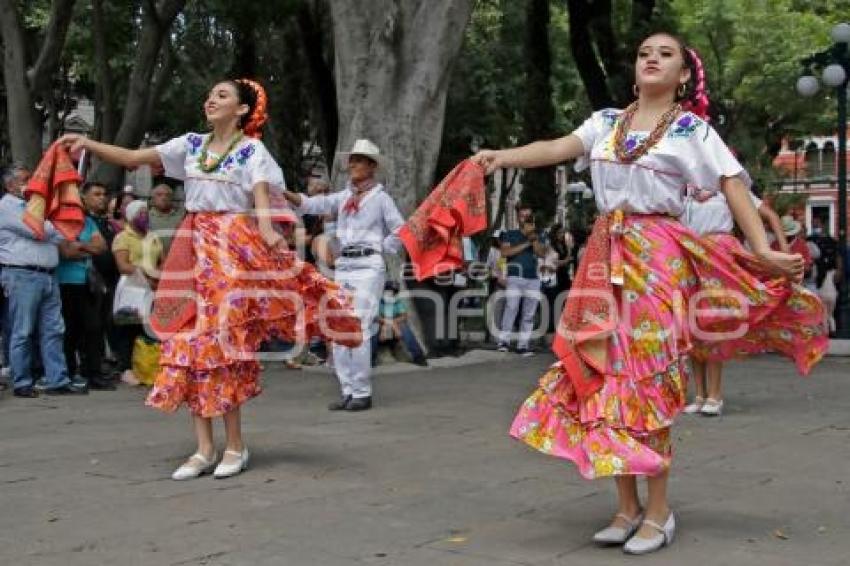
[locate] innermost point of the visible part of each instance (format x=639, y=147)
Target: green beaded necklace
x=204, y=163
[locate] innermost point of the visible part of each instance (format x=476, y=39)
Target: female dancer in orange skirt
x=609, y=402
x=228, y=282
x=791, y=329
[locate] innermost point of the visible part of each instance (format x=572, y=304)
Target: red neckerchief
x=352, y=206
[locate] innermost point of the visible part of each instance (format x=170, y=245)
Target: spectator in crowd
x=135, y=249
x=556, y=268
x=496, y=281
x=82, y=290
x=164, y=216
x=119, y=209
x=393, y=327
x=95, y=200
x=32, y=291
x=521, y=248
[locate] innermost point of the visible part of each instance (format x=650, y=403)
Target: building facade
x=810, y=166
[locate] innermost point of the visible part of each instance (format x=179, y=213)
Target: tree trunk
x=393, y=59
x=539, y=112
x=313, y=36
x=105, y=95
x=157, y=20
x=602, y=57
x=584, y=54
x=23, y=85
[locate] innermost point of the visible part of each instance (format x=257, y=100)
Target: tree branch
x=61, y=12
x=581, y=45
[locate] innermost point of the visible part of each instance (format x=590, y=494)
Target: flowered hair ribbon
x=259, y=116
x=698, y=102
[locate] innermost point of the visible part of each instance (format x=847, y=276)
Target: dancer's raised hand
x=781, y=263
x=74, y=143
x=489, y=159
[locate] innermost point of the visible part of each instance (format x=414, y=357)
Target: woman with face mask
x=134, y=250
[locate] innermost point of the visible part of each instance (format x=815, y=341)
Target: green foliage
x=752, y=51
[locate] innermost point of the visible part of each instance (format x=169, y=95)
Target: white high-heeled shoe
x=195, y=466
x=612, y=535
x=226, y=470
x=694, y=407
x=712, y=408
x=664, y=537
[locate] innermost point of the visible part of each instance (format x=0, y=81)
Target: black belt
x=47, y=270
x=358, y=252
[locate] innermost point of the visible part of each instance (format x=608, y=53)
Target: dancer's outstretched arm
x=747, y=217
x=112, y=153
x=537, y=154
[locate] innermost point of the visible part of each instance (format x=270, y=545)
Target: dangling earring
x=683, y=88
x=636, y=90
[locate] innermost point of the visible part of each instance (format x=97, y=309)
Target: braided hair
x=253, y=94
x=696, y=95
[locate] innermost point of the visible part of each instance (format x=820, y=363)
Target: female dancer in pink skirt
x=609, y=402
x=792, y=329
x=228, y=282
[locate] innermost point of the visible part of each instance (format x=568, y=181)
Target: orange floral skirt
x=245, y=294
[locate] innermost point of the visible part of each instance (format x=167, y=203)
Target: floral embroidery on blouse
x=685, y=126
x=244, y=154
x=610, y=117
x=195, y=143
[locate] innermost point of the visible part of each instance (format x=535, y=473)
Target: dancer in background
x=790, y=329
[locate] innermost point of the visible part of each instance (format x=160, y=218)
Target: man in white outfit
x=367, y=226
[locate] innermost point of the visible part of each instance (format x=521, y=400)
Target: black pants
x=83, y=330
x=434, y=312
x=125, y=337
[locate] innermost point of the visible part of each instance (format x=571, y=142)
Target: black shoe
x=525, y=352
x=69, y=389
x=420, y=361
x=101, y=384
x=26, y=392
x=341, y=404
x=359, y=404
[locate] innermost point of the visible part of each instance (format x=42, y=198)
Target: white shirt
x=711, y=216
x=375, y=225
x=690, y=153
x=230, y=187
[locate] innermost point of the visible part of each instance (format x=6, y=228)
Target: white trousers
x=525, y=291
x=364, y=278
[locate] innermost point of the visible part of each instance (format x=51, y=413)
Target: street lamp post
x=835, y=65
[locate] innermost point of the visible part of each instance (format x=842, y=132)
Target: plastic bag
x=133, y=299
x=145, y=359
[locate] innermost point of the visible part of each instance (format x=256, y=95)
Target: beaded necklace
x=204, y=163
x=639, y=150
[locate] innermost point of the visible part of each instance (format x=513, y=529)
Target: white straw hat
x=365, y=148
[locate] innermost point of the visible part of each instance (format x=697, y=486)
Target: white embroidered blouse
x=690, y=153
x=711, y=216
x=230, y=187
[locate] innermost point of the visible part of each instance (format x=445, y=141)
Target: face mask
x=140, y=223
x=817, y=231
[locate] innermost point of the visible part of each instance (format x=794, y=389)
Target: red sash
x=174, y=306
x=52, y=194
x=455, y=208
